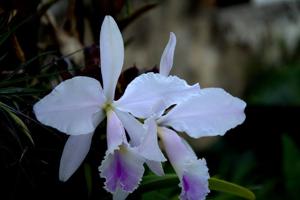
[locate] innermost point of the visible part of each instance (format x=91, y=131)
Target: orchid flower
x=212, y=112
x=142, y=138
x=76, y=107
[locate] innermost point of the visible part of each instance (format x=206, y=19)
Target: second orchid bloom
x=165, y=103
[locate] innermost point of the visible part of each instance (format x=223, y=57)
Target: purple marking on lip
x=193, y=188
x=122, y=170
x=186, y=185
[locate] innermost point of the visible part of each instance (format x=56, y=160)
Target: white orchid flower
x=153, y=156
x=76, y=107
x=212, y=112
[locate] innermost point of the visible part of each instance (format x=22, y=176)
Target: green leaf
x=22, y=66
x=230, y=188
x=88, y=178
x=18, y=90
x=161, y=194
x=291, y=166
x=20, y=124
x=3, y=56
x=153, y=182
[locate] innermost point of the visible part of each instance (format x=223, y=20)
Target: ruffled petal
x=148, y=90
x=194, y=181
x=111, y=55
x=166, y=61
x=115, y=132
x=75, y=151
x=73, y=107
x=123, y=170
x=212, y=112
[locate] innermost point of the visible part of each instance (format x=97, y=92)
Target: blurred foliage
x=279, y=86
x=291, y=166
x=15, y=121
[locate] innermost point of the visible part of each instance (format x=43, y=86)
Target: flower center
x=159, y=132
x=107, y=107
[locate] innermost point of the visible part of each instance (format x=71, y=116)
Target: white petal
x=149, y=148
x=120, y=194
x=148, y=90
x=111, y=55
x=75, y=150
x=179, y=153
x=115, y=132
x=158, y=109
x=212, y=112
x=155, y=167
x=134, y=128
x=73, y=107
x=166, y=61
